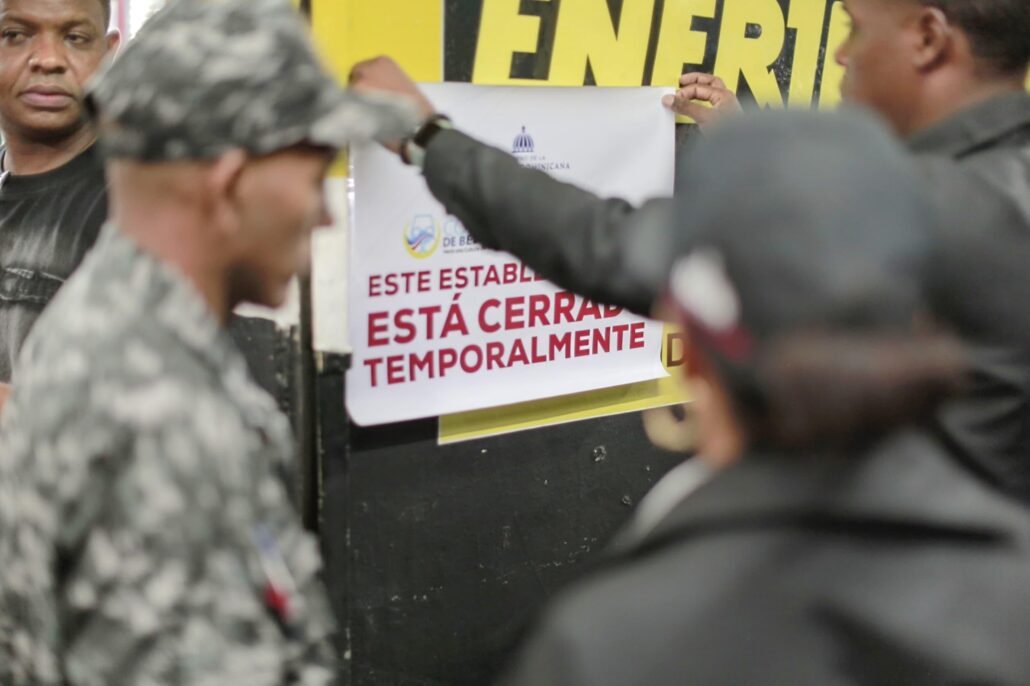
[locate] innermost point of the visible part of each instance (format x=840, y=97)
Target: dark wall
x=437, y=556
x=271, y=355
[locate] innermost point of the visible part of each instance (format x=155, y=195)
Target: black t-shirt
x=48, y=222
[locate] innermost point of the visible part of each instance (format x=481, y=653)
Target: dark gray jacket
x=613, y=252
x=893, y=567
x=989, y=145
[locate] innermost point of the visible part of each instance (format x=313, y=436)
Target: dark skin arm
x=697, y=88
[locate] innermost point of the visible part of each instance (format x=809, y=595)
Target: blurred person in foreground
x=52, y=190
x=146, y=528
x=948, y=77
x=824, y=536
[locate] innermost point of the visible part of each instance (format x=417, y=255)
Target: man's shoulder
x=90, y=416
x=118, y=344
x=82, y=361
x=128, y=375
x=682, y=609
x=981, y=194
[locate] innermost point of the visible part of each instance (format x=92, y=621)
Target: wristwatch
x=413, y=148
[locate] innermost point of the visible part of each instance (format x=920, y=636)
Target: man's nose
x=49, y=57
x=841, y=56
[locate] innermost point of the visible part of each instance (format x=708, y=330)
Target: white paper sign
x=440, y=325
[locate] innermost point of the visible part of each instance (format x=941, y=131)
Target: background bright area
x=129, y=15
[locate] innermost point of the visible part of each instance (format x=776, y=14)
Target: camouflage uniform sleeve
x=28, y=614
x=167, y=583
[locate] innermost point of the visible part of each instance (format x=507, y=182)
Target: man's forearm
x=606, y=250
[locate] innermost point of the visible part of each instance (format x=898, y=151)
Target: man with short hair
x=146, y=528
x=948, y=75
x=921, y=62
x=52, y=193
x=53, y=199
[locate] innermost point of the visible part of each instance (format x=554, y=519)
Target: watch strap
x=413, y=149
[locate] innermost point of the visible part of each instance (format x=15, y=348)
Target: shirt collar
x=88, y=163
x=909, y=482
x=975, y=126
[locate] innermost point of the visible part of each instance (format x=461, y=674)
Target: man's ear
x=935, y=38
x=114, y=40
x=222, y=189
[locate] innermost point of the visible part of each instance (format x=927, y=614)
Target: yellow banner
x=410, y=31
x=573, y=408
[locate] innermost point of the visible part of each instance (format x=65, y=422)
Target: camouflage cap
x=206, y=76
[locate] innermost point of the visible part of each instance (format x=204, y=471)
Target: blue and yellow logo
x=422, y=236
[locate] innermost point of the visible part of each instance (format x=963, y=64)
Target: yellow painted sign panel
x=410, y=31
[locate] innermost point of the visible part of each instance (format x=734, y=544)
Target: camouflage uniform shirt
x=146, y=533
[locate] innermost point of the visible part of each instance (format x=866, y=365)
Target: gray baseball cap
x=800, y=219
x=206, y=76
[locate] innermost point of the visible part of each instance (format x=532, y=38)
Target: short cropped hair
x=997, y=30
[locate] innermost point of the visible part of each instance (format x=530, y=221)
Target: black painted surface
x=461, y=21
x=436, y=556
x=270, y=355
